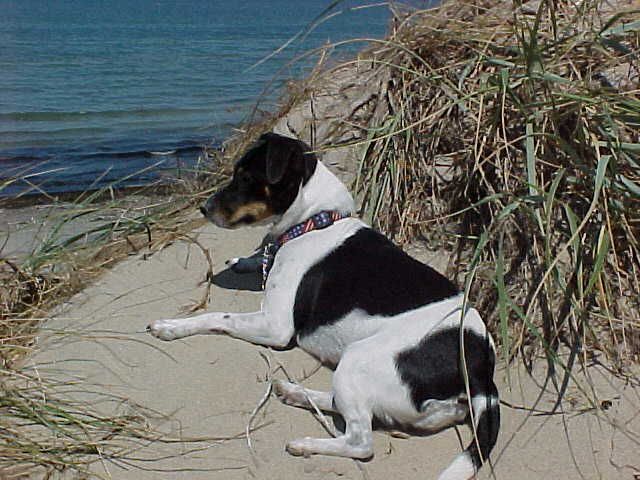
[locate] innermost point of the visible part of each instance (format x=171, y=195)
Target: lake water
x=94, y=91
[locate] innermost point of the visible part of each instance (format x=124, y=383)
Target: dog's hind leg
x=298, y=396
x=438, y=414
x=357, y=441
x=352, y=398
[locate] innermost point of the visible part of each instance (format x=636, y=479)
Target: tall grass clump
x=511, y=136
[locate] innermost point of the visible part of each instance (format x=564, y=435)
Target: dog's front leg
x=255, y=327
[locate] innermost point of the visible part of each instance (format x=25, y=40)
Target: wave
x=72, y=156
x=162, y=154
x=58, y=116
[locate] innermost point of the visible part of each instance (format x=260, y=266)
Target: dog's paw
x=290, y=393
x=302, y=447
x=245, y=265
x=168, y=329
x=232, y=262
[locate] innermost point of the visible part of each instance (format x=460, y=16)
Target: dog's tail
x=486, y=410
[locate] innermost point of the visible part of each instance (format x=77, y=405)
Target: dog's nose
x=203, y=210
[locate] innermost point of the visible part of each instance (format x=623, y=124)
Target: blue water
x=94, y=91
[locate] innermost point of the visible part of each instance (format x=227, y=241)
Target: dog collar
x=318, y=221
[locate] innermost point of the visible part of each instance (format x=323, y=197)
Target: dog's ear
x=281, y=152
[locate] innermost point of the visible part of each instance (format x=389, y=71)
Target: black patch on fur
x=366, y=272
x=432, y=370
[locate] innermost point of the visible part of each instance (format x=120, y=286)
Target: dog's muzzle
x=212, y=212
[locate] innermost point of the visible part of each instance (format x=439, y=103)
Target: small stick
x=263, y=401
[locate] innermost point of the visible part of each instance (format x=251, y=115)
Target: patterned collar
x=318, y=221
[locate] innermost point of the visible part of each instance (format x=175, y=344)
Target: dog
x=406, y=350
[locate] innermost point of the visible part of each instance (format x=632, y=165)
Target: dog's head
x=266, y=180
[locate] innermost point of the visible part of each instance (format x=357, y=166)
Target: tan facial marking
x=258, y=210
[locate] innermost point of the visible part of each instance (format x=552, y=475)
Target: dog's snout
x=212, y=211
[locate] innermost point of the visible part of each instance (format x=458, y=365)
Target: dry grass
x=511, y=138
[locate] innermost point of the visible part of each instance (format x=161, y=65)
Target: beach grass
x=511, y=135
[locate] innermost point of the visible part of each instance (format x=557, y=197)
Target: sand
x=209, y=385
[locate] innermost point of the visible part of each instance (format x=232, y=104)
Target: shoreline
x=103, y=194
x=64, y=177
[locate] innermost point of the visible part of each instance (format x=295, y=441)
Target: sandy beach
x=209, y=386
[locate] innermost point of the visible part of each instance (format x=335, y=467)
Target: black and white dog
x=391, y=326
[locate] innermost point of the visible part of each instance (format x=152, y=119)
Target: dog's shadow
x=230, y=280
x=245, y=274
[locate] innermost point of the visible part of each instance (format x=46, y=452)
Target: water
x=94, y=91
